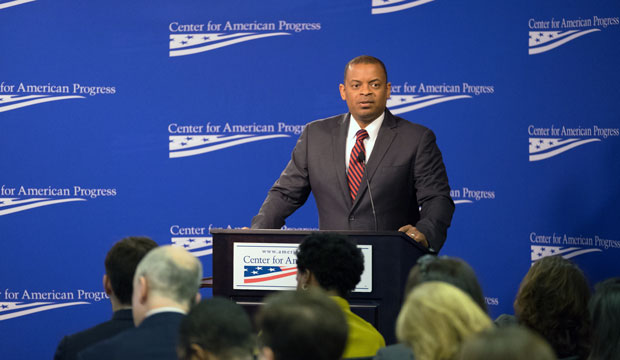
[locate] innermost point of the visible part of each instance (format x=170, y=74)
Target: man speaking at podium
x=368, y=169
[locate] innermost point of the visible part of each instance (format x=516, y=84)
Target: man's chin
x=366, y=116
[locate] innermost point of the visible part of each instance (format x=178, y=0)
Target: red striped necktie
x=356, y=167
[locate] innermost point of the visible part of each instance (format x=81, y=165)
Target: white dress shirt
x=369, y=142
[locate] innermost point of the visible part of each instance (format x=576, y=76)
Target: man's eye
x=355, y=86
x=375, y=85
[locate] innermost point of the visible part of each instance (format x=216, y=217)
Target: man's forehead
x=361, y=71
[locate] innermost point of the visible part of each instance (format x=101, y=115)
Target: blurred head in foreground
x=605, y=314
x=553, y=301
x=447, y=269
x=508, y=343
x=437, y=318
x=216, y=328
x=301, y=325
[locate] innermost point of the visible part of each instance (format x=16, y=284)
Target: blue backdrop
x=166, y=118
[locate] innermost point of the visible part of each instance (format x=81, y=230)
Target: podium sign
x=388, y=257
x=264, y=266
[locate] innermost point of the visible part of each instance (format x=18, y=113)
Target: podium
x=393, y=255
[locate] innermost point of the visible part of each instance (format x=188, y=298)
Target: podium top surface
x=305, y=232
x=355, y=233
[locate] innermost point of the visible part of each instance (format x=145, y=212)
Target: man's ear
x=107, y=285
x=312, y=280
x=303, y=279
x=343, y=95
x=143, y=289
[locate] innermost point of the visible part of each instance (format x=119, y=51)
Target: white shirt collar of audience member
x=165, y=309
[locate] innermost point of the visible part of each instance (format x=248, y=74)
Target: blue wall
x=127, y=118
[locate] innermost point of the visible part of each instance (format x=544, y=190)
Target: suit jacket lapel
x=339, y=141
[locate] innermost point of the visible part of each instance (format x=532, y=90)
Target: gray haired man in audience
x=165, y=286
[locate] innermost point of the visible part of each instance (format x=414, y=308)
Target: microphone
x=361, y=158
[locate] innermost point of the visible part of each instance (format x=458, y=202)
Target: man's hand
x=416, y=235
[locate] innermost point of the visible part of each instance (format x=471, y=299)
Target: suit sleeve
x=432, y=191
x=289, y=192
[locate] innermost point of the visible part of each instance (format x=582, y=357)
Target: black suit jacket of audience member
x=155, y=338
x=71, y=345
x=394, y=352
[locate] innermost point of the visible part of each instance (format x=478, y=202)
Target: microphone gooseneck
x=362, y=159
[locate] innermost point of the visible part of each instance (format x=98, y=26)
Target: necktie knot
x=361, y=134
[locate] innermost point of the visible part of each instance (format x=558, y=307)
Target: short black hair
x=447, y=269
x=605, y=314
x=302, y=325
x=121, y=262
x=219, y=326
x=334, y=260
x=365, y=59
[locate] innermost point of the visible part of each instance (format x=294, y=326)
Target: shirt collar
x=372, y=128
x=165, y=309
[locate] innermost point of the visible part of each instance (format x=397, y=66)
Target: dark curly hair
x=553, y=300
x=334, y=260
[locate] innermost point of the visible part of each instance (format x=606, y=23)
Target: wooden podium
x=393, y=255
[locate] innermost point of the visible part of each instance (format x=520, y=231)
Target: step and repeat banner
x=169, y=118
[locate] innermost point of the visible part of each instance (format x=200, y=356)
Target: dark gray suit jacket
x=71, y=345
x=405, y=171
x=155, y=338
x=394, y=352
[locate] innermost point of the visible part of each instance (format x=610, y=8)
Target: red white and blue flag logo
x=12, y=102
x=184, y=145
x=539, y=252
x=10, y=310
x=543, y=41
x=261, y=274
x=13, y=205
x=400, y=104
x=188, y=44
x=389, y=6
x=544, y=148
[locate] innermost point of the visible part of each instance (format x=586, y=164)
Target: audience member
x=301, y=325
x=120, y=266
x=432, y=268
x=335, y=264
x=447, y=269
x=553, y=300
x=509, y=343
x=436, y=318
x=605, y=315
x=216, y=329
x=165, y=286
